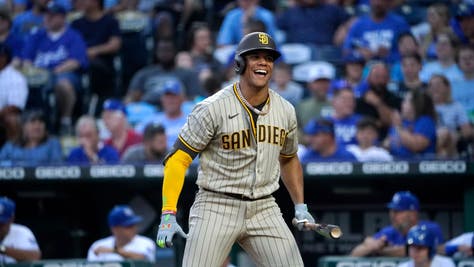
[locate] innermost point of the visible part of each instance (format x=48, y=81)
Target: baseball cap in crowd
x=464, y=10
x=404, y=200
x=123, y=215
x=321, y=70
x=152, y=129
x=353, y=58
x=171, y=87
x=317, y=126
x=112, y=104
x=7, y=209
x=55, y=8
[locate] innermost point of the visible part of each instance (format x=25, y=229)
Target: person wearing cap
x=172, y=115
x=17, y=242
x=460, y=246
x=318, y=82
x=61, y=51
x=34, y=146
x=463, y=22
x=91, y=150
x=30, y=20
x=422, y=245
x=322, y=145
x=353, y=71
x=102, y=35
x=152, y=150
x=125, y=243
x=122, y=136
x=390, y=241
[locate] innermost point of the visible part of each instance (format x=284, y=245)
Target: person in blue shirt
x=91, y=150
x=375, y=35
x=322, y=143
x=7, y=37
x=390, y=241
x=62, y=51
x=413, y=131
x=35, y=146
x=30, y=20
x=231, y=30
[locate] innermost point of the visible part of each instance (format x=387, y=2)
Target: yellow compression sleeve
x=174, y=173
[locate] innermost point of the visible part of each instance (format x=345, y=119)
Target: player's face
x=419, y=254
x=259, y=69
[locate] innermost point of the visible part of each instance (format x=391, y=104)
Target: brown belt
x=237, y=196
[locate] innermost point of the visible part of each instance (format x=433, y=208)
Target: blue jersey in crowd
x=46, y=153
x=106, y=154
x=341, y=154
x=26, y=23
x=47, y=53
x=394, y=237
x=345, y=129
x=372, y=35
x=424, y=126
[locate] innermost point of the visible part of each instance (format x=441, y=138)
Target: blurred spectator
x=410, y=68
x=375, y=35
x=35, y=146
x=343, y=117
x=463, y=23
x=102, y=36
x=374, y=99
x=445, y=63
x=7, y=37
x=147, y=82
x=366, y=149
x=31, y=20
x=13, y=96
x=353, y=70
x=172, y=116
x=453, y=123
x=407, y=45
x=18, y=241
x=422, y=245
x=125, y=243
x=283, y=84
x=391, y=240
x=231, y=29
x=122, y=136
x=201, y=47
x=413, y=131
x=62, y=51
x=463, y=90
x=461, y=246
x=322, y=145
x=311, y=22
x=152, y=150
x=91, y=149
x=318, y=82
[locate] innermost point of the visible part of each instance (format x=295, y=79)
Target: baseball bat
x=330, y=231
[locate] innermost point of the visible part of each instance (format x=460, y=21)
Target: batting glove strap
x=302, y=215
x=167, y=229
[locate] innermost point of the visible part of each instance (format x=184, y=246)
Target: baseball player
x=241, y=133
x=422, y=244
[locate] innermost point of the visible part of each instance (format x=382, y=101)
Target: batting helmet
x=251, y=42
x=422, y=235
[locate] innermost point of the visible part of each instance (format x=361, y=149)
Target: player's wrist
x=164, y=212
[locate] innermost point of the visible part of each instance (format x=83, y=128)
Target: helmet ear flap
x=239, y=64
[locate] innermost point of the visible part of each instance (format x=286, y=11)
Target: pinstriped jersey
x=239, y=155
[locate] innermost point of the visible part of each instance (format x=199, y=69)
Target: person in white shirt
x=422, y=244
x=124, y=243
x=365, y=150
x=17, y=242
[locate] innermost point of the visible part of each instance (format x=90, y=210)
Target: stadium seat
x=296, y=53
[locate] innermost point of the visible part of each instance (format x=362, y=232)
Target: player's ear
x=239, y=64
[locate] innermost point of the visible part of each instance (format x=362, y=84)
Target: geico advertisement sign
x=331, y=168
x=442, y=167
x=389, y=263
x=386, y=168
x=58, y=172
x=17, y=173
x=81, y=264
x=115, y=171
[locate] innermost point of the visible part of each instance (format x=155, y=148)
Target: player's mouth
x=260, y=73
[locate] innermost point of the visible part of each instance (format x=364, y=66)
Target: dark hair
x=153, y=129
x=196, y=26
x=6, y=51
x=33, y=115
x=406, y=34
x=462, y=48
x=415, y=56
x=423, y=104
x=367, y=122
x=255, y=25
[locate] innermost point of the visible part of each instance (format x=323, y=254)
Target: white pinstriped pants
x=217, y=221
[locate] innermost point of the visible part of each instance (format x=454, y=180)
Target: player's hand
x=302, y=216
x=167, y=229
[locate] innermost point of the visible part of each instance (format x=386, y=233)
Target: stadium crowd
x=367, y=78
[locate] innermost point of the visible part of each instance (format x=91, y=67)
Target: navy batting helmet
x=422, y=235
x=254, y=41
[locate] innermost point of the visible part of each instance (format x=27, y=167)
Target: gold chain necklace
x=262, y=112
